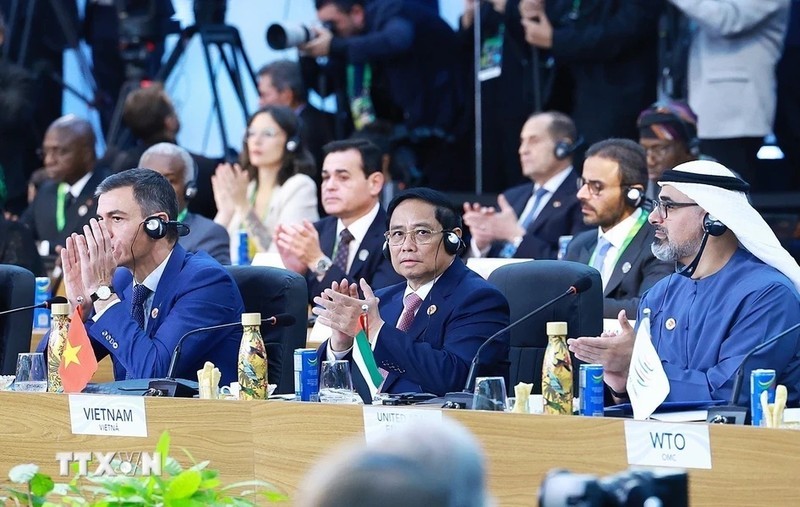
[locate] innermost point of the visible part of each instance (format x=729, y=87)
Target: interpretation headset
x=453, y=244
x=712, y=226
x=156, y=227
x=190, y=191
x=634, y=197
x=293, y=143
x=663, y=112
x=566, y=147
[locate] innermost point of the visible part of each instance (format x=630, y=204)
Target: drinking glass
x=31, y=373
x=336, y=383
x=490, y=394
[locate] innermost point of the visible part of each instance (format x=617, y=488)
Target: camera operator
x=391, y=61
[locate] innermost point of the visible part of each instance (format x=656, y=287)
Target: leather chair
x=271, y=291
x=17, y=287
x=528, y=285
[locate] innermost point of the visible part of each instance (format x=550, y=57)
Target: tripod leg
x=214, y=91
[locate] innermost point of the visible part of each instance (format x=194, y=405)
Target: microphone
x=47, y=304
x=733, y=413
x=459, y=400
x=171, y=387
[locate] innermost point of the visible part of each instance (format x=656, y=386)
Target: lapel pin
x=83, y=210
x=154, y=313
x=363, y=254
x=670, y=324
x=431, y=310
x=626, y=267
x=556, y=204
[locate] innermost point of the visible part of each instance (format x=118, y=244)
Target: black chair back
x=271, y=291
x=528, y=285
x=17, y=286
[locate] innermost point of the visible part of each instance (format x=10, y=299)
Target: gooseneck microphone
x=581, y=285
x=47, y=304
x=733, y=412
x=170, y=387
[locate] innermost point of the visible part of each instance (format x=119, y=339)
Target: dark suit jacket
x=40, y=216
x=208, y=236
x=369, y=262
x=194, y=292
x=316, y=129
x=561, y=216
x=636, y=270
x=461, y=311
x=606, y=62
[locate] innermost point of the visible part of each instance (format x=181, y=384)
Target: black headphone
x=565, y=147
x=712, y=226
x=190, y=190
x=634, y=197
x=453, y=244
x=156, y=227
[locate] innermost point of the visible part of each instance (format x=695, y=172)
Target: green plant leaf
x=163, y=447
x=184, y=485
x=41, y=484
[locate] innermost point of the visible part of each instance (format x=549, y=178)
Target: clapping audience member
x=611, y=192
x=177, y=165
x=435, y=464
x=271, y=186
x=735, y=286
x=424, y=331
x=532, y=216
x=347, y=243
x=65, y=203
x=140, y=291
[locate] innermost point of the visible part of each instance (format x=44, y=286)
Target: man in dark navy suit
x=140, y=291
x=425, y=331
x=347, y=243
x=531, y=217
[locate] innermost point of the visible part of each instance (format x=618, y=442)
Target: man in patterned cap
x=668, y=133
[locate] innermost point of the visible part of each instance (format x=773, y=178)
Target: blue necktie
x=509, y=249
x=340, y=260
x=600, y=254
x=140, y=293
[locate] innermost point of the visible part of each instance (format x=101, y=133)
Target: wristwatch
x=323, y=265
x=103, y=293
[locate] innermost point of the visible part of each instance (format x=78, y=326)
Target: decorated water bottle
x=252, y=360
x=59, y=327
x=557, y=371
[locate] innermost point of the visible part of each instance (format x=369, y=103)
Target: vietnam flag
x=78, y=362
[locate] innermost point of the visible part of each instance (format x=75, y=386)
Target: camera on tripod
x=631, y=488
x=291, y=35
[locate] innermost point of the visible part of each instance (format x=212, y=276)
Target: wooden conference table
x=278, y=441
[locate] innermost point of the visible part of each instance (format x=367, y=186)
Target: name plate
x=379, y=419
x=120, y=416
x=668, y=444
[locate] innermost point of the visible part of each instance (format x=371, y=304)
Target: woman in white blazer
x=271, y=185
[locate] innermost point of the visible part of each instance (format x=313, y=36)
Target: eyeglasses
x=55, y=151
x=663, y=207
x=419, y=236
x=658, y=150
x=595, y=187
x=261, y=133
